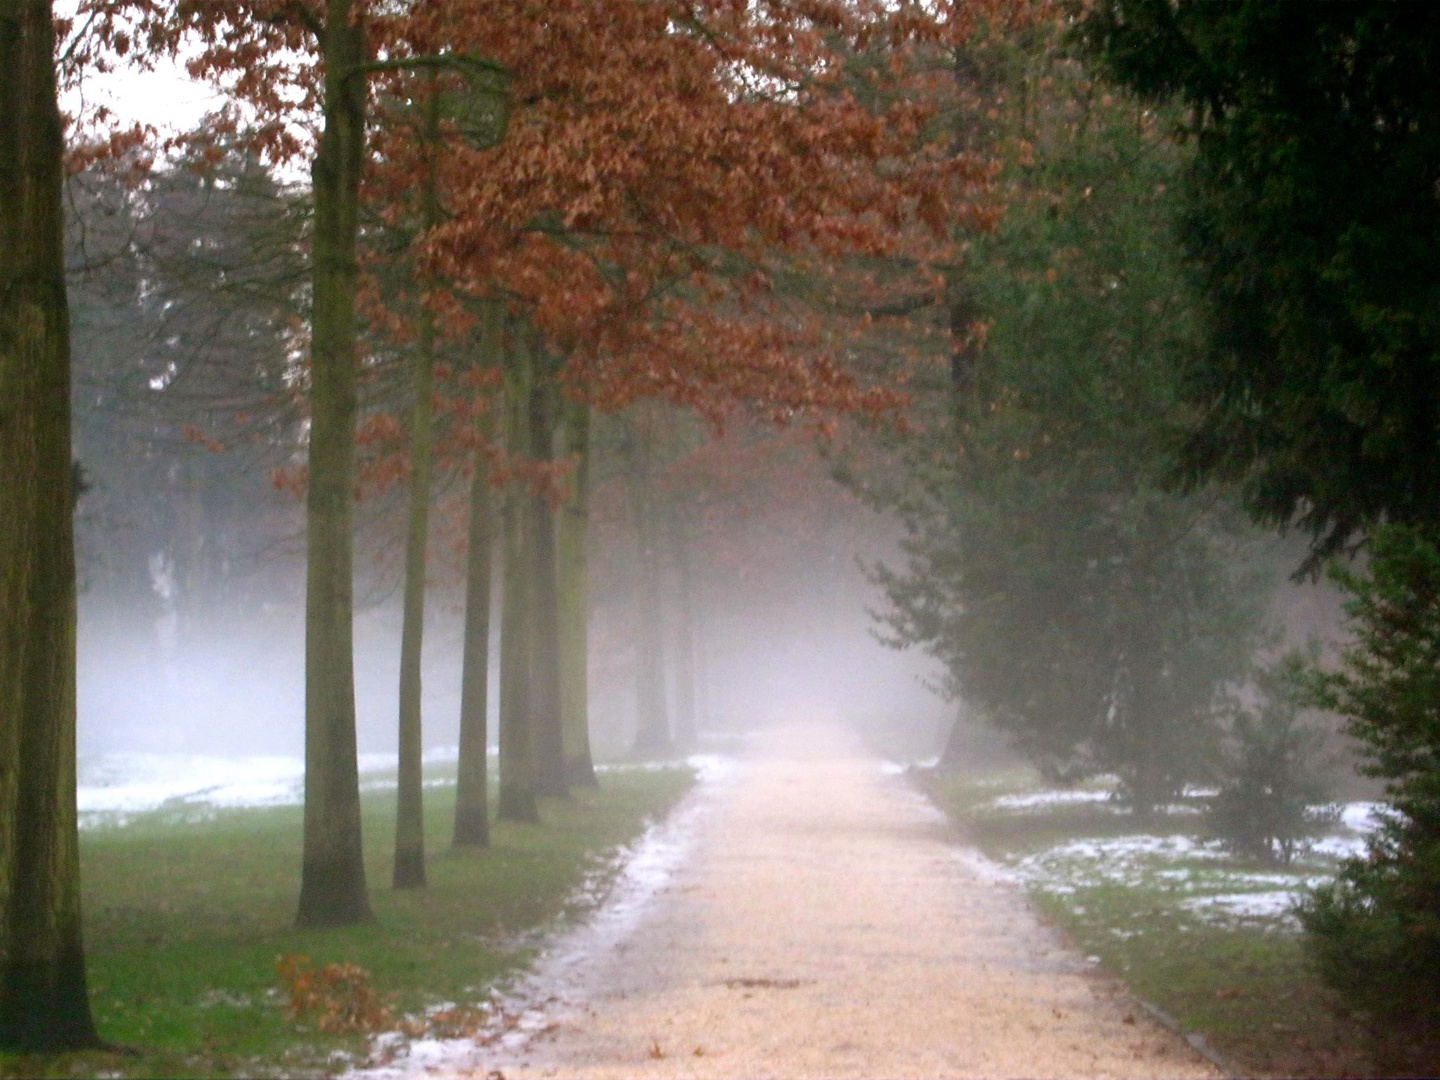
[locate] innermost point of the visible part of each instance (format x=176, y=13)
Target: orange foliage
x=341, y=995
x=666, y=164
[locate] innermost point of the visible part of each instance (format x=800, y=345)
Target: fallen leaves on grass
x=341, y=994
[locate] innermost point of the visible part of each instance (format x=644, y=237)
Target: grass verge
x=1241, y=983
x=185, y=920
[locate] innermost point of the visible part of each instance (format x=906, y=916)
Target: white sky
x=166, y=97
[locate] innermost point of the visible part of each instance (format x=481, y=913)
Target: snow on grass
x=1047, y=799
x=1275, y=905
x=1206, y=879
x=115, y=787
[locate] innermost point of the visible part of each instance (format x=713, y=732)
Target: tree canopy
x=1312, y=218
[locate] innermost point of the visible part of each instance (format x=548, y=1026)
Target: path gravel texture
x=824, y=923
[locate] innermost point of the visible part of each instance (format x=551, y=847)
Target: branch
x=295, y=11
x=466, y=65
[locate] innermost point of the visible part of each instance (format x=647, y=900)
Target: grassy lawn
x=1147, y=898
x=185, y=920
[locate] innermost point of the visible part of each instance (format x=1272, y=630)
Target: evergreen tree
x=1375, y=932
x=1076, y=603
x=1310, y=214
x=1272, y=794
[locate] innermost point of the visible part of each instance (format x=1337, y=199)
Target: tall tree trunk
x=652, y=728
x=952, y=757
x=684, y=632
x=410, y=802
x=472, y=788
x=517, y=751
x=545, y=715
x=332, y=881
x=44, y=1004
x=573, y=577
x=705, y=710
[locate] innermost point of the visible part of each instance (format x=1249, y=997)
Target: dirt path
x=822, y=926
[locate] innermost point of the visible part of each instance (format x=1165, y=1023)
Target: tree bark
x=332, y=882
x=573, y=576
x=652, y=728
x=545, y=715
x=517, y=761
x=472, y=788
x=410, y=803
x=44, y=1003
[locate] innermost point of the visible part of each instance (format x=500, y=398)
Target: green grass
x=185, y=920
x=1244, y=985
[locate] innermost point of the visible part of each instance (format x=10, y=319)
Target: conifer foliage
x=1376, y=931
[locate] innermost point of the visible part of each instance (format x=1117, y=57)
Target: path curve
x=824, y=925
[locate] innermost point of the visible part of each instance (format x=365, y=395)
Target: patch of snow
x=1056, y=797
x=128, y=783
x=1277, y=904
x=1339, y=847
x=984, y=867
x=1364, y=817
x=114, y=787
x=711, y=768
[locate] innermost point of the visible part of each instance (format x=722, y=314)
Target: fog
x=218, y=670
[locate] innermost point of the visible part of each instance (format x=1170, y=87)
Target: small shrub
x=340, y=993
x=1272, y=790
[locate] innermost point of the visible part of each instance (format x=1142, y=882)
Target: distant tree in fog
x=1077, y=604
x=187, y=290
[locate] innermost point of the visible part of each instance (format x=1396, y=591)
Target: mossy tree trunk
x=332, y=884
x=472, y=822
x=545, y=718
x=44, y=1004
x=652, y=727
x=410, y=804
x=573, y=577
x=517, y=750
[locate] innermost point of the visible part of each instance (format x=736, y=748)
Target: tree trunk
x=545, y=670
x=332, y=881
x=44, y=1004
x=704, y=690
x=472, y=823
x=410, y=802
x=517, y=762
x=684, y=634
x=573, y=577
x=652, y=728
x=952, y=757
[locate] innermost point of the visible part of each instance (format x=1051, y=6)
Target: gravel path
x=823, y=926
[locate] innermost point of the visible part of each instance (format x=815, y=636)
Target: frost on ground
x=1206, y=880
x=115, y=787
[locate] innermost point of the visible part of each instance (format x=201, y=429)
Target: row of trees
x=1212, y=297
x=1312, y=220
x=1074, y=599
x=491, y=204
